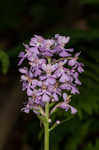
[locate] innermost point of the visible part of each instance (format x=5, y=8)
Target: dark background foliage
x=19, y=21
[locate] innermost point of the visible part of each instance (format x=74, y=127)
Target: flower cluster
x=51, y=74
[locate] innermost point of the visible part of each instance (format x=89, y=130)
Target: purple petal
x=73, y=110
x=77, y=81
x=48, y=93
x=29, y=92
x=55, y=97
x=26, y=46
x=39, y=93
x=42, y=77
x=39, y=83
x=67, y=107
x=37, y=72
x=44, y=67
x=70, y=50
x=64, y=96
x=22, y=59
x=65, y=86
x=24, y=86
x=30, y=74
x=36, y=40
x=64, y=106
x=54, y=67
x=62, y=39
x=21, y=54
x=57, y=74
x=24, y=78
x=72, y=62
x=77, y=54
x=23, y=70
x=47, y=53
x=75, y=75
x=45, y=98
x=42, y=61
x=34, y=50
x=64, y=78
x=74, y=90
x=26, y=110
x=51, y=80
x=67, y=39
x=34, y=83
x=64, y=54
x=80, y=69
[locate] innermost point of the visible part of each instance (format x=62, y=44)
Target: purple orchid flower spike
x=52, y=69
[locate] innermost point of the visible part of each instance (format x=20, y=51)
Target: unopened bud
x=57, y=122
x=49, y=120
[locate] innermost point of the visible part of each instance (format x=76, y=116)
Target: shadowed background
x=19, y=21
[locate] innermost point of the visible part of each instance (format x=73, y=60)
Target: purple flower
x=36, y=41
x=36, y=65
x=55, y=91
x=47, y=44
x=49, y=69
x=28, y=106
x=64, y=78
x=60, y=69
x=77, y=81
x=55, y=88
x=62, y=40
x=55, y=97
x=80, y=68
x=34, y=53
x=74, y=90
x=66, y=107
x=73, y=61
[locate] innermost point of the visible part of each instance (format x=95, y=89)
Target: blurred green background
x=19, y=21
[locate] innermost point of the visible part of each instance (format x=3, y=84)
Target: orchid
x=51, y=77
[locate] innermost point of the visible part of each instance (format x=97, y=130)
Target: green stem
x=46, y=128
